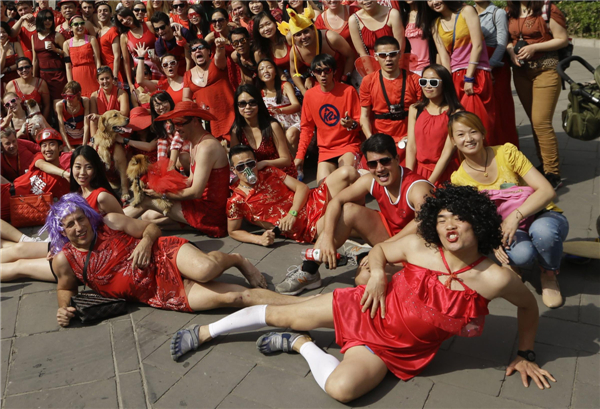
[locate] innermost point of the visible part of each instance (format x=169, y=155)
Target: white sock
x=321, y=363
x=248, y=319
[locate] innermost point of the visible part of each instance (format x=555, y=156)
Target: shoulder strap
x=494, y=19
x=360, y=34
x=385, y=95
x=454, y=31
x=87, y=260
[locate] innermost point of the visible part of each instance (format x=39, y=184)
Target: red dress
x=283, y=63
x=270, y=200
x=207, y=213
x=431, y=132
x=149, y=40
x=110, y=271
x=10, y=61
x=163, y=85
x=25, y=40
x=109, y=104
x=421, y=313
x=217, y=95
x=52, y=66
x=340, y=60
x=35, y=94
x=84, y=67
x=92, y=199
x=74, y=124
x=369, y=37
x=268, y=151
x=106, y=55
x=321, y=23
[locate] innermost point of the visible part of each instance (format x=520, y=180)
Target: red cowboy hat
x=139, y=119
x=187, y=108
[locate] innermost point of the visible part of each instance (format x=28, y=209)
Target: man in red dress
x=17, y=155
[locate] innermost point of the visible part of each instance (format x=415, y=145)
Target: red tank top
x=398, y=213
x=92, y=199
x=369, y=37
x=35, y=94
x=283, y=63
x=163, y=85
x=25, y=39
x=112, y=102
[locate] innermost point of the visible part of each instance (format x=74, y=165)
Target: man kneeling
x=130, y=260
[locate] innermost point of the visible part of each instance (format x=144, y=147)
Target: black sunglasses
x=217, y=20
x=319, y=71
x=372, y=164
x=250, y=103
x=239, y=42
x=198, y=48
x=24, y=67
x=176, y=6
x=161, y=28
x=138, y=10
x=251, y=164
x=49, y=17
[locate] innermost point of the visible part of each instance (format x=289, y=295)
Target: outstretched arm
x=146, y=231
x=234, y=228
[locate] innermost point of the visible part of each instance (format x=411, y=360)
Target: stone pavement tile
x=588, y=368
x=394, y=393
x=560, y=363
x=208, y=383
x=235, y=402
x=149, y=341
x=5, y=346
x=255, y=252
x=61, y=358
x=132, y=390
x=139, y=311
x=280, y=389
x=8, y=312
x=567, y=334
x=161, y=358
x=590, y=309
x=496, y=342
x=164, y=321
x=37, y=313
x=101, y=394
x=158, y=381
x=224, y=245
x=124, y=346
x=38, y=286
x=466, y=372
x=578, y=157
x=585, y=396
x=447, y=396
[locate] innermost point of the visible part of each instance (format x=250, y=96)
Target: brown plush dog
x=137, y=168
x=110, y=124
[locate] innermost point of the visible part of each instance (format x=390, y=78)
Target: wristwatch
x=293, y=213
x=528, y=355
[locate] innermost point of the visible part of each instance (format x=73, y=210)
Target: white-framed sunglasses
x=432, y=82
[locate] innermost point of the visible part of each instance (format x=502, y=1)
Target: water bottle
x=251, y=177
x=315, y=255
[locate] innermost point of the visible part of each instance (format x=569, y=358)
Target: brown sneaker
x=550, y=290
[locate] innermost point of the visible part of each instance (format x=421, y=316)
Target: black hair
x=219, y=10
x=261, y=85
x=158, y=127
x=323, y=59
x=6, y=27
x=159, y=17
x=239, y=30
x=386, y=40
x=103, y=3
x=469, y=205
x=264, y=118
x=448, y=90
x=102, y=70
x=264, y=4
x=204, y=25
x=286, y=5
x=18, y=60
x=125, y=12
x=513, y=8
x=380, y=143
x=237, y=149
x=99, y=179
x=39, y=21
x=261, y=44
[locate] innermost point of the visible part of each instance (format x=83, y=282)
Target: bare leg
x=36, y=269
x=324, y=169
x=340, y=179
x=347, y=159
x=202, y=268
x=293, y=136
x=8, y=232
x=121, y=164
x=24, y=251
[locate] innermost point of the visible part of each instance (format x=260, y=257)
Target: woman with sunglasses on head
x=254, y=127
x=108, y=38
x=9, y=52
x=47, y=46
x=108, y=97
x=268, y=42
x=199, y=25
x=429, y=150
x=16, y=117
x=372, y=22
x=153, y=6
x=72, y=113
x=27, y=86
x=173, y=83
x=82, y=57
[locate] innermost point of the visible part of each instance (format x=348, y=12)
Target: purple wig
x=67, y=205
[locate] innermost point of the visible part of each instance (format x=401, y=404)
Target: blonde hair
x=468, y=119
x=150, y=10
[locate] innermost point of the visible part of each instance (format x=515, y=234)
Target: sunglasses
x=217, y=20
x=199, y=47
x=9, y=103
x=391, y=54
x=168, y=64
x=69, y=97
x=432, y=82
x=239, y=42
x=251, y=103
x=177, y=6
x=78, y=24
x=251, y=164
x=372, y=164
x=161, y=28
x=193, y=15
x=49, y=18
x=181, y=122
x=24, y=67
x=139, y=10
x=320, y=71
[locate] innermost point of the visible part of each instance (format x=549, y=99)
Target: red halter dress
x=370, y=36
x=92, y=199
x=84, y=66
x=421, y=313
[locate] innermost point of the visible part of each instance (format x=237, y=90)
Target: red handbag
x=30, y=210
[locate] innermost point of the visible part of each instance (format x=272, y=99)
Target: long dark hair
x=514, y=8
x=261, y=44
x=125, y=12
x=99, y=180
x=448, y=91
x=286, y=5
x=264, y=4
x=429, y=16
x=264, y=118
x=204, y=25
x=39, y=21
x=158, y=127
x=261, y=85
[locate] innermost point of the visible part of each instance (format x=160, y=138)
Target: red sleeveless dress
x=52, y=66
x=92, y=199
x=283, y=63
x=83, y=67
x=163, y=85
x=149, y=39
x=10, y=61
x=25, y=40
x=207, y=213
x=107, y=56
x=109, y=104
x=35, y=94
x=421, y=313
x=369, y=36
x=268, y=151
x=110, y=271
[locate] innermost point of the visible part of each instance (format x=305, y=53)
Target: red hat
x=48, y=134
x=187, y=108
x=139, y=119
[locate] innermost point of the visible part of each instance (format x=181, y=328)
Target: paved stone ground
x=125, y=362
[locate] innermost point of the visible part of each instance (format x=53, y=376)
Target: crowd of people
x=408, y=102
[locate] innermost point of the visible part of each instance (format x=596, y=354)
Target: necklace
x=484, y=171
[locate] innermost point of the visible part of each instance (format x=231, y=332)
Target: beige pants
x=538, y=90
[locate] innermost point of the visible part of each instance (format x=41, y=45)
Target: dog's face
x=138, y=166
x=32, y=107
x=113, y=122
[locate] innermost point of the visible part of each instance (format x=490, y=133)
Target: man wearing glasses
x=171, y=40
x=242, y=55
x=386, y=95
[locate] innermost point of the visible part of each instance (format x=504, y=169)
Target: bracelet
x=474, y=63
x=164, y=196
x=469, y=79
x=140, y=58
x=62, y=174
x=518, y=211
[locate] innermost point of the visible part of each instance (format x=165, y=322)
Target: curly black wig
x=469, y=205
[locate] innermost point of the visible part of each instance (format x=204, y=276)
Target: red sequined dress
x=268, y=151
x=421, y=313
x=110, y=271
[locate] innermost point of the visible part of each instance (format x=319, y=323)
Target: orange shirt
x=325, y=111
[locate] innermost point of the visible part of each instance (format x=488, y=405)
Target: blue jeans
x=544, y=241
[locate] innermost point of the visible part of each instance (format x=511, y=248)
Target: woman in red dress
x=27, y=86
x=372, y=22
x=47, y=46
x=443, y=290
x=72, y=112
x=108, y=97
x=9, y=52
x=172, y=83
x=336, y=18
x=255, y=128
x=270, y=43
x=25, y=27
x=109, y=40
x=198, y=24
x=84, y=54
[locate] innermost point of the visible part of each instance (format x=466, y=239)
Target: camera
x=520, y=44
x=396, y=109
